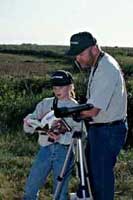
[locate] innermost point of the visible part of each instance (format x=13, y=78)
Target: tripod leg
x=83, y=174
x=87, y=177
x=81, y=169
x=61, y=176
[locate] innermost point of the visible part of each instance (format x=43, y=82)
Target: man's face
x=86, y=58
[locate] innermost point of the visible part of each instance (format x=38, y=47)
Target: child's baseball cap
x=61, y=78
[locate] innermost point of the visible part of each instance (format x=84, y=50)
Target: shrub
x=19, y=97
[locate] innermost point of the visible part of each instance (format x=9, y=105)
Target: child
x=53, y=148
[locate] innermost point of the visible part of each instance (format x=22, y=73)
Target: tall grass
x=16, y=157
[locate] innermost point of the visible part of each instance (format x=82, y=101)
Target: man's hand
x=89, y=113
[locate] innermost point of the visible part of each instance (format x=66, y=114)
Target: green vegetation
x=17, y=153
x=24, y=80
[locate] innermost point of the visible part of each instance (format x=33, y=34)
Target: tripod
x=76, y=141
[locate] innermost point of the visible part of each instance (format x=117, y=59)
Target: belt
x=117, y=122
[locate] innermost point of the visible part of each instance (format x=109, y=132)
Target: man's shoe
x=73, y=196
x=87, y=198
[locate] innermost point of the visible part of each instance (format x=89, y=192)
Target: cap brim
x=72, y=52
x=58, y=82
x=75, y=51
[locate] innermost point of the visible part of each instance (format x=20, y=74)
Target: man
x=107, y=131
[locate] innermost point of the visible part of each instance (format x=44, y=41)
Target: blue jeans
x=103, y=146
x=49, y=158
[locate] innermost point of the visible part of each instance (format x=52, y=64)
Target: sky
x=52, y=22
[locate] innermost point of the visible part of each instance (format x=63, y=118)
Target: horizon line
x=60, y=45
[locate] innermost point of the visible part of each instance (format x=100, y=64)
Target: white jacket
x=40, y=111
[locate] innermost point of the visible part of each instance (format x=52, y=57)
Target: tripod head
x=68, y=111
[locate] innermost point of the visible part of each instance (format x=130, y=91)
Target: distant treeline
x=51, y=51
x=27, y=50
x=127, y=51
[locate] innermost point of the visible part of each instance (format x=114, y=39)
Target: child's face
x=62, y=92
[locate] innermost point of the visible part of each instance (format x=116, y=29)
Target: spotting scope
x=68, y=111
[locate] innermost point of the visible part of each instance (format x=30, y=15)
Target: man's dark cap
x=61, y=78
x=79, y=42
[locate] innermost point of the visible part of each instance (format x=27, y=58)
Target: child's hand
x=59, y=127
x=53, y=136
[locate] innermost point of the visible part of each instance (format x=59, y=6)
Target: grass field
x=17, y=153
